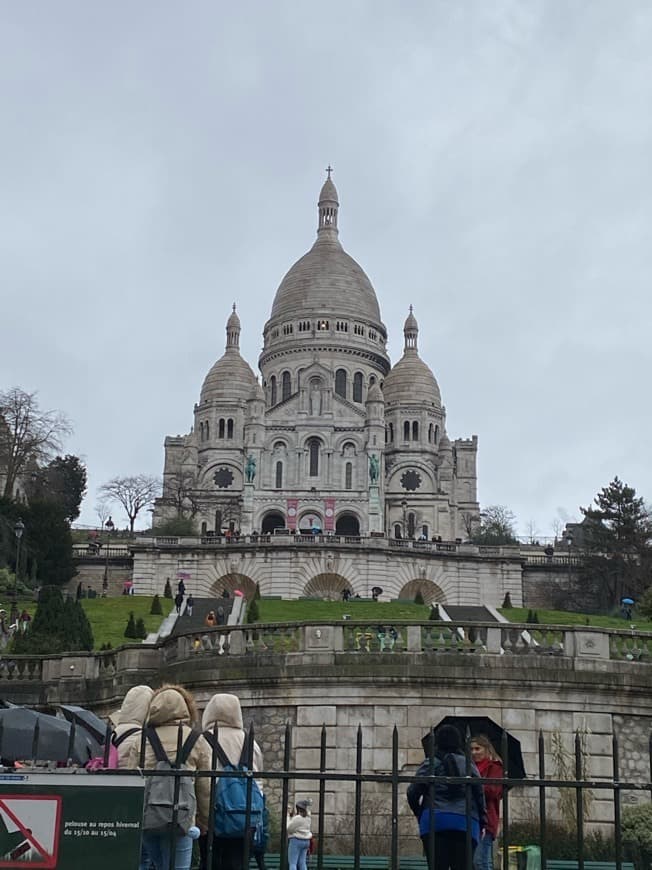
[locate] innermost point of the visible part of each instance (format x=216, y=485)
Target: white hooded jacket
x=131, y=715
x=224, y=711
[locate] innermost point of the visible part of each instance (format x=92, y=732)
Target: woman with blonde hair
x=173, y=708
x=490, y=766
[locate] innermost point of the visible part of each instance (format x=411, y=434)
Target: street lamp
x=19, y=528
x=108, y=525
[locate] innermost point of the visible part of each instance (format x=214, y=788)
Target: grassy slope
x=272, y=610
x=563, y=617
x=108, y=616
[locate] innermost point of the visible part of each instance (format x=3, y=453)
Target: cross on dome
x=329, y=169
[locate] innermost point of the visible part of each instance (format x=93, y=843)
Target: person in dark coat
x=442, y=807
x=178, y=601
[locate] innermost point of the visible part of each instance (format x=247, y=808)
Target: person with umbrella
x=489, y=766
x=440, y=807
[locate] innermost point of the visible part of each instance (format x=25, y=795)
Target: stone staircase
x=460, y=613
x=196, y=623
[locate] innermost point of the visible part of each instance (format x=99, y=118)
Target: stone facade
x=332, y=438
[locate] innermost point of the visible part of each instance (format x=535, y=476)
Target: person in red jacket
x=489, y=766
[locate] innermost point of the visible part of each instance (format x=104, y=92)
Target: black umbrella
x=27, y=734
x=484, y=725
x=90, y=722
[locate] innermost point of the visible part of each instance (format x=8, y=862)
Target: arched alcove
x=271, y=521
x=328, y=586
x=430, y=592
x=347, y=524
x=231, y=582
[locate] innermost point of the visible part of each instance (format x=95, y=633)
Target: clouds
x=492, y=161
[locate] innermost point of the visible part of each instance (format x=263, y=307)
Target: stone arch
x=347, y=523
x=328, y=586
x=231, y=582
x=272, y=520
x=430, y=592
x=309, y=520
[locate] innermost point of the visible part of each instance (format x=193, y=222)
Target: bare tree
x=102, y=512
x=28, y=435
x=181, y=491
x=133, y=493
x=532, y=532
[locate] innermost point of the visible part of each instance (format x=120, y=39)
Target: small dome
x=410, y=381
x=257, y=393
x=234, y=321
x=375, y=394
x=328, y=192
x=230, y=377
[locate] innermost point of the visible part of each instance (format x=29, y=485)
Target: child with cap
x=299, y=835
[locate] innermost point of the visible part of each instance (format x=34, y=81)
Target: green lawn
x=108, y=616
x=302, y=610
x=565, y=617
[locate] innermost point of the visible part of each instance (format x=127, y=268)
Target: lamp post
x=108, y=525
x=19, y=528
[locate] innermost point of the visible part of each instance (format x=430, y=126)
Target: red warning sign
x=29, y=830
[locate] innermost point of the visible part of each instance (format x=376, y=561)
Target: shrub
x=130, y=630
x=637, y=834
x=253, y=613
x=507, y=601
x=156, y=609
x=141, y=631
x=418, y=598
x=57, y=626
x=561, y=841
x=167, y=592
x=434, y=615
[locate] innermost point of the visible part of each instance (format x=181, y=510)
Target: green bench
x=559, y=864
x=343, y=862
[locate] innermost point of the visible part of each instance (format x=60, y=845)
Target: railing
x=428, y=638
x=372, y=818
x=88, y=553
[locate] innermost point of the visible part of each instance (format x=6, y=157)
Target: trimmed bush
x=156, y=609
x=418, y=598
x=253, y=613
x=141, y=631
x=167, y=592
x=130, y=630
x=507, y=601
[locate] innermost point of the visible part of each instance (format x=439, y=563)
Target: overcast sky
x=493, y=161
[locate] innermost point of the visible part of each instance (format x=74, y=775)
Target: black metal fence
x=386, y=828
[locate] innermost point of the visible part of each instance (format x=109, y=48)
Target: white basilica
x=333, y=438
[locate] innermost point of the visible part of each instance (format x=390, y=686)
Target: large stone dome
x=231, y=377
x=411, y=381
x=326, y=279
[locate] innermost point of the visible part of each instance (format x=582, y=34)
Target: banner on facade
x=292, y=509
x=64, y=821
x=329, y=514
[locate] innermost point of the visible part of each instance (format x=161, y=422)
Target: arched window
x=415, y=430
x=411, y=525
x=406, y=430
x=430, y=433
x=204, y=529
x=313, y=449
x=278, y=483
x=436, y=434
x=357, y=387
x=229, y=428
x=348, y=476
x=372, y=380
x=424, y=532
x=287, y=386
x=206, y=431
x=218, y=522
x=391, y=433
x=397, y=531
x=340, y=383
x=221, y=428
x=272, y=383
x=201, y=431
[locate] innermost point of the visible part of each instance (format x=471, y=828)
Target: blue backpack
x=230, y=811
